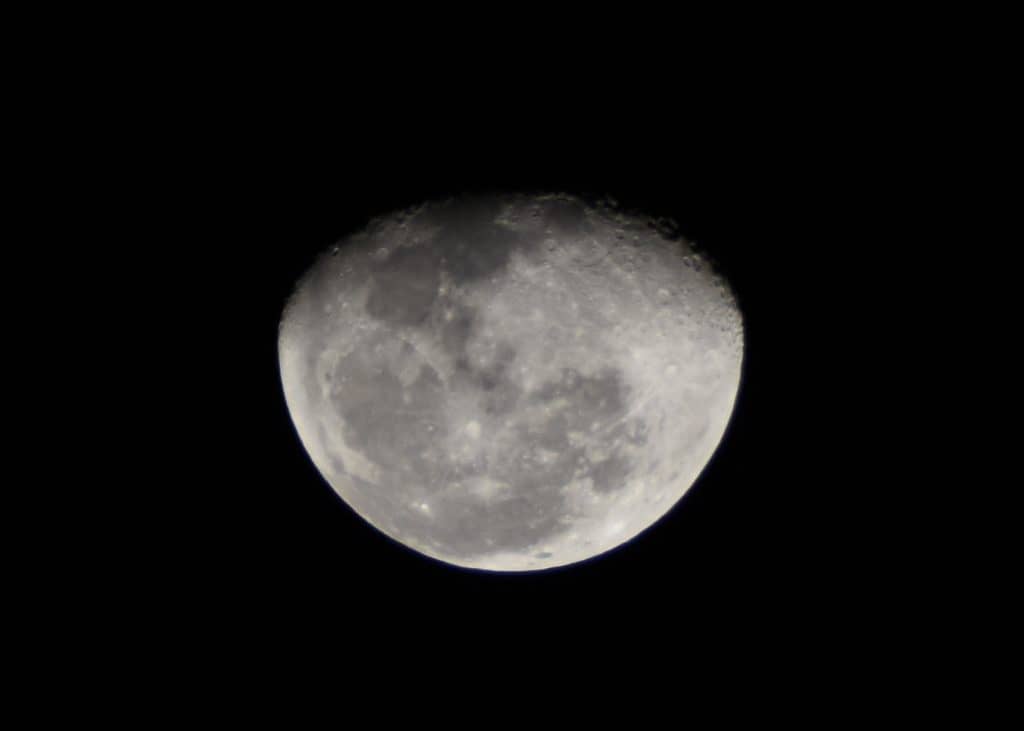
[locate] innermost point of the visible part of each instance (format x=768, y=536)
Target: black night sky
x=264, y=548
x=208, y=162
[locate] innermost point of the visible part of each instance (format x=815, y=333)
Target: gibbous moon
x=511, y=383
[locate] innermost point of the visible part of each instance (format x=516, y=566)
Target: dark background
x=205, y=543
x=189, y=171
x=761, y=552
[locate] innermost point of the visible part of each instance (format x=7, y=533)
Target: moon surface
x=514, y=382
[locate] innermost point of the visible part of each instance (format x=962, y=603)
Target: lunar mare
x=513, y=382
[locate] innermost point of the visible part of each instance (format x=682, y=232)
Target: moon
x=511, y=382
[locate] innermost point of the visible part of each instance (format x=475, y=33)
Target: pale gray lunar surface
x=513, y=382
